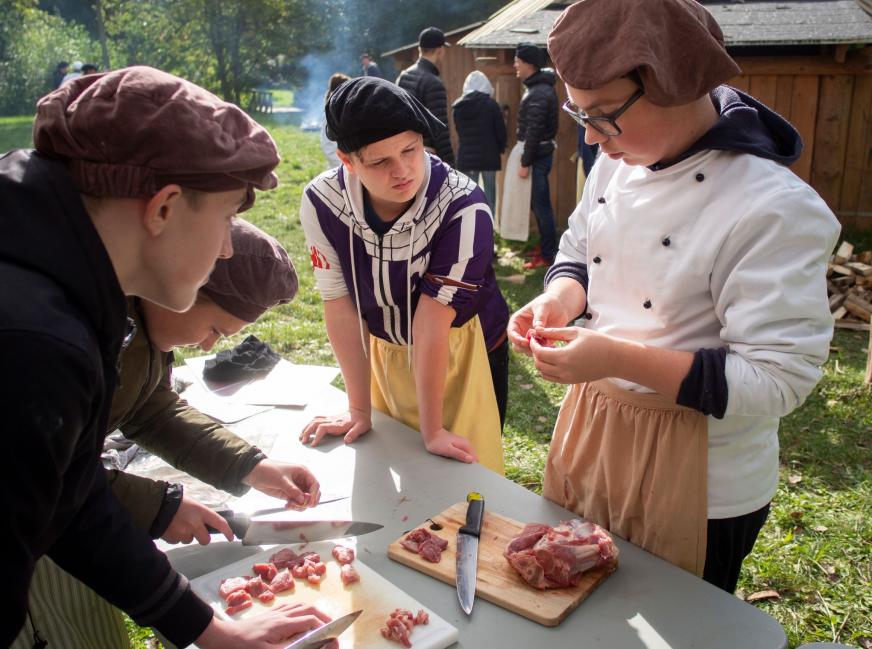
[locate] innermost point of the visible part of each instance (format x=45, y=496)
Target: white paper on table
x=222, y=411
x=286, y=384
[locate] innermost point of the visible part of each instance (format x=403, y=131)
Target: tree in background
x=31, y=44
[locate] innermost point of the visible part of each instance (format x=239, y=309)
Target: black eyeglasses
x=605, y=124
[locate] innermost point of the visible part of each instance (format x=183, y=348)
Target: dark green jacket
x=149, y=412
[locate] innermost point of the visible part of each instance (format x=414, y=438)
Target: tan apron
x=469, y=408
x=636, y=464
x=513, y=221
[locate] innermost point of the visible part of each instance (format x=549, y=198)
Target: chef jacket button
x=700, y=177
x=588, y=316
x=597, y=259
x=666, y=241
x=601, y=200
x=647, y=304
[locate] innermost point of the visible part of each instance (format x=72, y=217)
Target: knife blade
x=323, y=634
x=467, y=551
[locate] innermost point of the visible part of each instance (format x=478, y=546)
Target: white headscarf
x=477, y=81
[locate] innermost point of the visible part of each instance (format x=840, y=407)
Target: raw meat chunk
x=266, y=596
x=284, y=558
x=422, y=542
x=301, y=571
x=237, y=601
x=348, y=574
x=313, y=579
x=342, y=554
x=558, y=557
x=232, y=585
x=256, y=586
x=282, y=581
x=400, y=624
x=265, y=570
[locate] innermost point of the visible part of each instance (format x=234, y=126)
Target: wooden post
x=869, y=358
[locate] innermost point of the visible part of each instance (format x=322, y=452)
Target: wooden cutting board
x=496, y=580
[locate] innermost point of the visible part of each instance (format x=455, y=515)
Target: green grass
x=15, y=133
x=815, y=548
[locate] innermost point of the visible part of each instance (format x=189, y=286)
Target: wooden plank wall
x=829, y=102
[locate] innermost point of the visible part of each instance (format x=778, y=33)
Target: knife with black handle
x=467, y=551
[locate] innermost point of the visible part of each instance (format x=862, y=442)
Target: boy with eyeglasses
x=697, y=261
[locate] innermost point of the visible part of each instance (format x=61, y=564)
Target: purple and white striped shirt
x=447, y=231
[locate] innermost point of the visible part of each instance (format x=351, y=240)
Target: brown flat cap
x=258, y=276
x=676, y=46
x=130, y=132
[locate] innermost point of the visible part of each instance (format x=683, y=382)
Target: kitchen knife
x=280, y=525
x=323, y=634
x=467, y=551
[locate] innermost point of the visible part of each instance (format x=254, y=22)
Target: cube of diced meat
x=422, y=542
x=314, y=579
x=266, y=596
x=232, y=585
x=318, y=568
x=400, y=624
x=310, y=556
x=348, y=574
x=342, y=554
x=284, y=558
x=237, y=601
x=265, y=570
x=430, y=551
x=255, y=586
x=422, y=617
x=282, y=581
x=300, y=571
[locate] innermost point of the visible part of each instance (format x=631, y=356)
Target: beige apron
x=469, y=407
x=514, y=214
x=636, y=464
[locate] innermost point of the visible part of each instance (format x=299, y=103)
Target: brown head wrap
x=130, y=132
x=258, y=276
x=676, y=46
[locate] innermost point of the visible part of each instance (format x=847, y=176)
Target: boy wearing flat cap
x=148, y=411
x=402, y=245
x=697, y=261
x=131, y=191
x=422, y=81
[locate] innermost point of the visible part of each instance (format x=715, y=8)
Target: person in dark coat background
x=421, y=80
x=370, y=67
x=537, y=128
x=481, y=133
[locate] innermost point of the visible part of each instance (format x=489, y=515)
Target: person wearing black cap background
x=89, y=217
x=697, y=260
x=421, y=80
x=402, y=248
x=537, y=128
x=258, y=276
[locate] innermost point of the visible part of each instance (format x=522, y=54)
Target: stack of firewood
x=849, y=286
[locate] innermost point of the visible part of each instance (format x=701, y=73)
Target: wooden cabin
x=810, y=60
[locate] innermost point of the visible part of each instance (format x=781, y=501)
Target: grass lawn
x=814, y=550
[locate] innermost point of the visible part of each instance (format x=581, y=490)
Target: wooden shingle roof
x=752, y=22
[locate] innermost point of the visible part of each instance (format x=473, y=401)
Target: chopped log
x=840, y=313
x=860, y=268
x=855, y=326
x=836, y=300
x=842, y=270
x=844, y=253
x=865, y=257
x=844, y=282
x=859, y=307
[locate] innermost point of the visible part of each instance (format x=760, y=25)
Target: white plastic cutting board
x=373, y=593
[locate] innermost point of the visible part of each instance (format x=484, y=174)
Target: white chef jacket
x=721, y=250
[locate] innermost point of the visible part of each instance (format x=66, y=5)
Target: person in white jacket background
x=696, y=261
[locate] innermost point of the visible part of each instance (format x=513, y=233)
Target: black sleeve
x=575, y=270
x=537, y=116
x=499, y=128
x=56, y=500
x=705, y=386
x=436, y=101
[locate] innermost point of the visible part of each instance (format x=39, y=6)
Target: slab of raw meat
x=342, y=554
x=348, y=574
x=557, y=557
x=284, y=558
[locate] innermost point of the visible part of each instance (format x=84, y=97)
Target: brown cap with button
x=130, y=132
x=258, y=276
x=676, y=47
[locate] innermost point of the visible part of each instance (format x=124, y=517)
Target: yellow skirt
x=470, y=405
